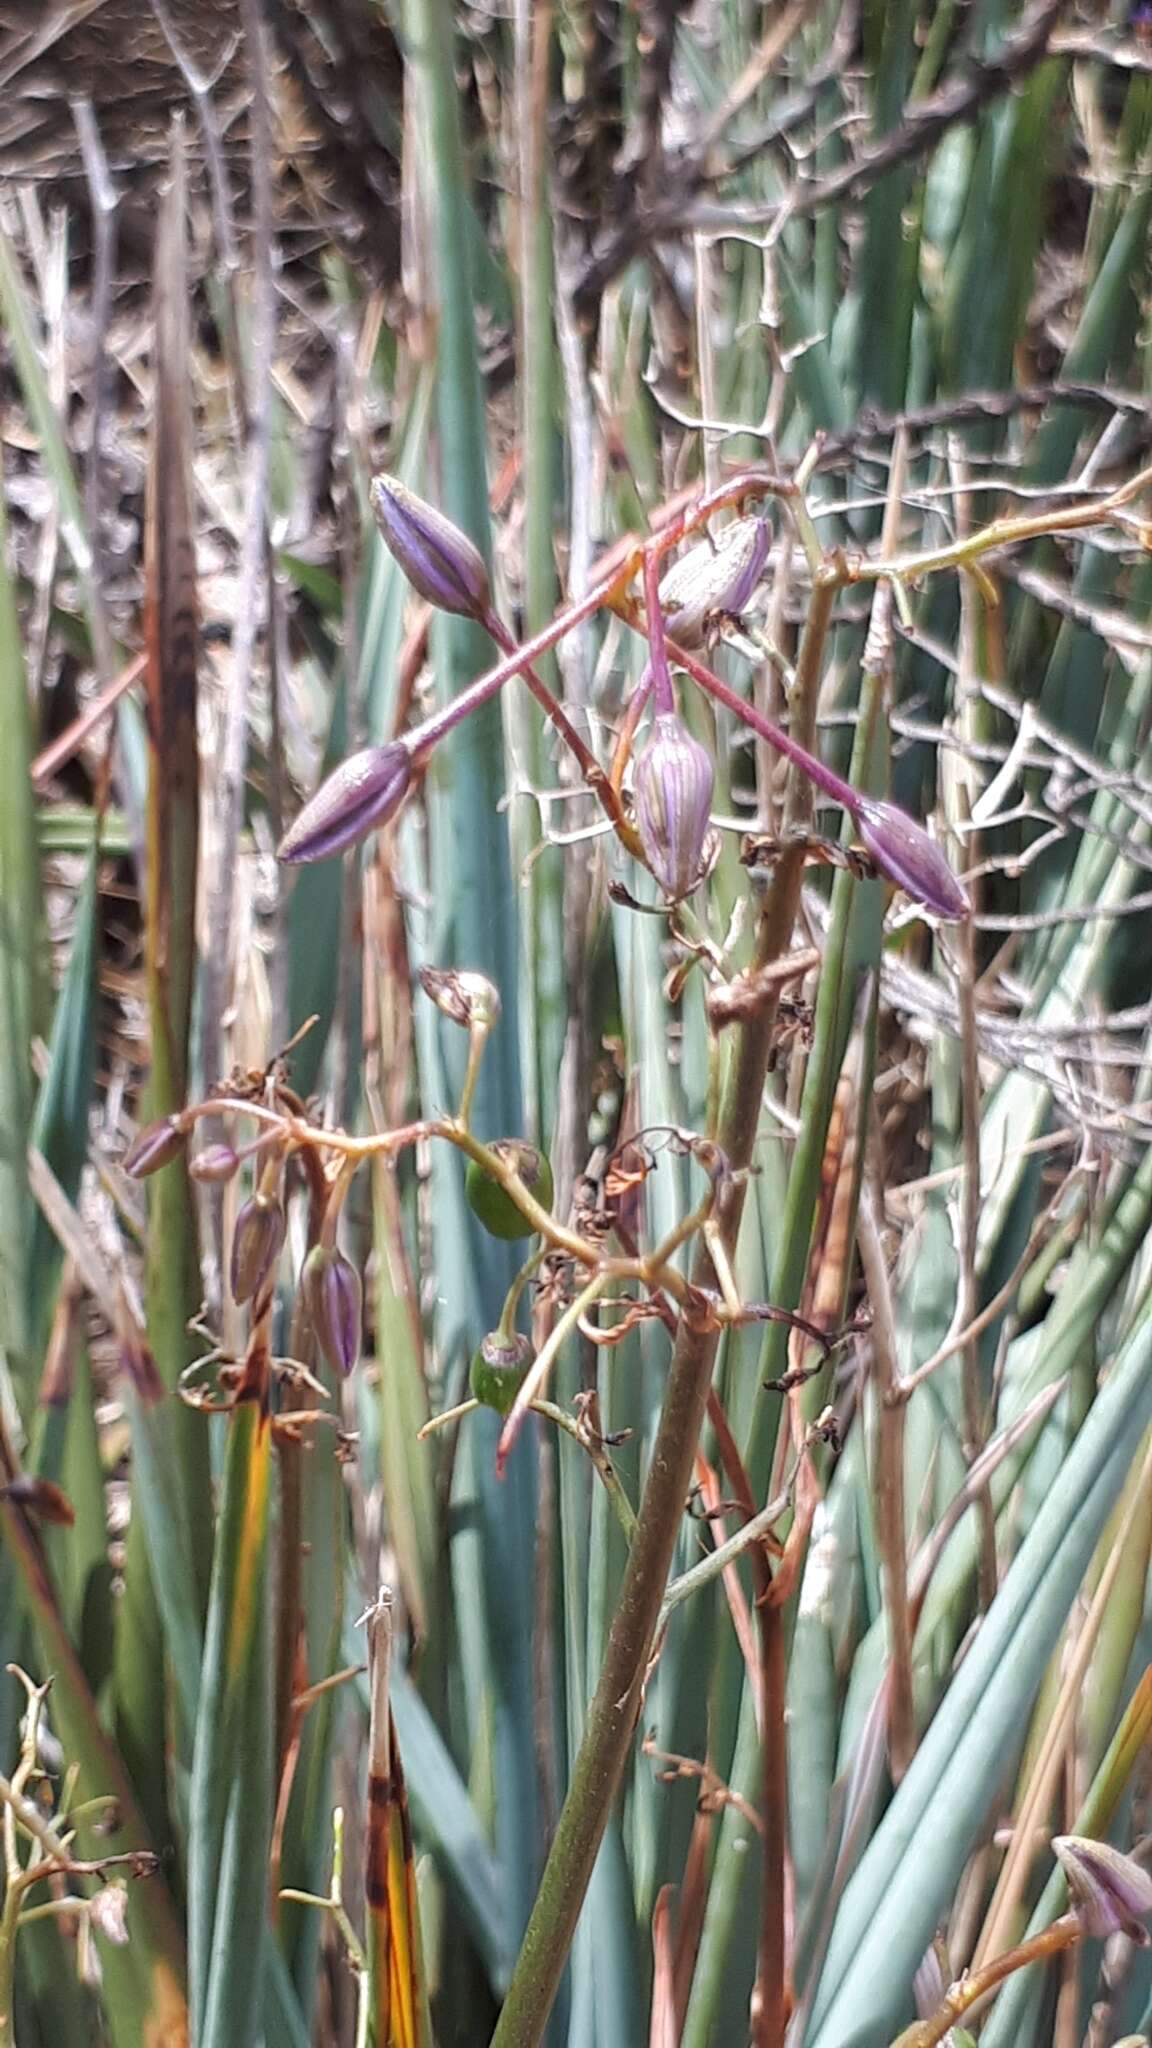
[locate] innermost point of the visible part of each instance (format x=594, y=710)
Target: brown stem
x=963, y=1996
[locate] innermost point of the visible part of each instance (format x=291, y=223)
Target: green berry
x=493, y=1205
x=498, y=1370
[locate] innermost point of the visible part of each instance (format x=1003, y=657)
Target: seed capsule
x=672, y=791
x=493, y=1204
x=498, y=1370
x=256, y=1244
x=438, y=560
x=335, y=1301
x=463, y=995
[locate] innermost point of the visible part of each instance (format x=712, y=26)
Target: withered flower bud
x=672, y=791
x=438, y=560
x=903, y=851
x=466, y=997
x=709, y=582
x=155, y=1146
x=364, y=792
x=335, y=1301
x=1110, y=1893
x=214, y=1163
x=256, y=1243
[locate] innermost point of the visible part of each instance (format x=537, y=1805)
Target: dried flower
x=335, y=1301
x=108, y=1912
x=903, y=851
x=710, y=583
x=256, y=1244
x=1110, y=1893
x=466, y=997
x=155, y=1146
x=214, y=1163
x=438, y=560
x=364, y=792
x=673, y=795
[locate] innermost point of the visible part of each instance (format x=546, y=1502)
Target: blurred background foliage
x=558, y=265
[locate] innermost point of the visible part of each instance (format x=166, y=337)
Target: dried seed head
x=672, y=791
x=363, y=793
x=214, y=1163
x=1110, y=1893
x=256, y=1243
x=903, y=851
x=710, y=583
x=467, y=998
x=335, y=1300
x=438, y=560
x=155, y=1146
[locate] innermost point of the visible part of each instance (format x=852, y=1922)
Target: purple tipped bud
x=364, y=792
x=903, y=851
x=711, y=583
x=256, y=1243
x=335, y=1301
x=214, y=1163
x=466, y=997
x=673, y=796
x=155, y=1146
x=1110, y=1894
x=438, y=560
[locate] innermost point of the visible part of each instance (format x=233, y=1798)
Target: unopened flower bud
x=155, y=1146
x=363, y=793
x=335, y=1301
x=673, y=796
x=498, y=1370
x=903, y=851
x=438, y=560
x=710, y=583
x=214, y=1163
x=467, y=998
x=1110, y=1894
x=256, y=1242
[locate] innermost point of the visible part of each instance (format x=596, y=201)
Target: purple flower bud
x=155, y=1146
x=256, y=1242
x=903, y=851
x=364, y=792
x=438, y=560
x=710, y=583
x=335, y=1302
x=1110, y=1893
x=214, y=1163
x=672, y=791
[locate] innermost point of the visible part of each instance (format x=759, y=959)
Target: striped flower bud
x=363, y=793
x=155, y=1146
x=1110, y=1893
x=710, y=583
x=672, y=790
x=256, y=1243
x=214, y=1163
x=903, y=851
x=438, y=560
x=335, y=1300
